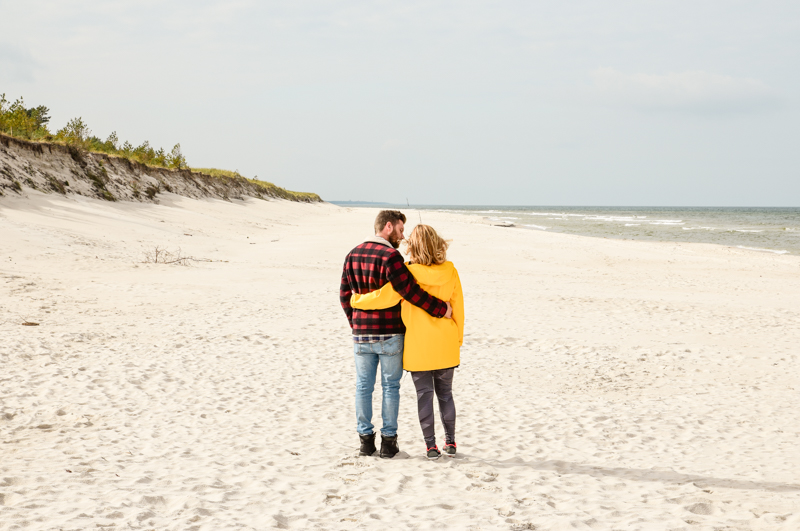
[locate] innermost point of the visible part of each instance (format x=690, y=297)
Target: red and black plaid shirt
x=370, y=266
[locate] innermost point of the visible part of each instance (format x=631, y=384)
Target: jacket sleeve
x=457, y=302
x=404, y=283
x=344, y=296
x=380, y=299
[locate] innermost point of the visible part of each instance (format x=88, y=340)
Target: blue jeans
x=390, y=355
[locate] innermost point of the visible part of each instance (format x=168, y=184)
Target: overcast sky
x=441, y=102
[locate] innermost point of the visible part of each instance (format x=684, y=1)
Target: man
x=378, y=334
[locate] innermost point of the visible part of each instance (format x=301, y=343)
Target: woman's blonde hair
x=426, y=247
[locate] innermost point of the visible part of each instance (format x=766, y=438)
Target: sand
x=604, y=384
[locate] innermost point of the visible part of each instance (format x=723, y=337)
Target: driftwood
x=160, y=255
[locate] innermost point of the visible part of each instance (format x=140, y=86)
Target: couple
x=422, y=335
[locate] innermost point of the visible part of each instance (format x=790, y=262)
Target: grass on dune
x=31, y=124
x=269, y=188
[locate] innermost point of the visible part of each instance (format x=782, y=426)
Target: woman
x=432, y=346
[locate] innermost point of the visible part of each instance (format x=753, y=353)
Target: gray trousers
x=440, y=382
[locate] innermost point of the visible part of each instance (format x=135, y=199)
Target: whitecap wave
x=762, y=250
x=667, y=222
x=611, y=218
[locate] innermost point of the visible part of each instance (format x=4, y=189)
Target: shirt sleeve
x=458, y=309
x=406, y=285
x=344, y=296
x=380, y=299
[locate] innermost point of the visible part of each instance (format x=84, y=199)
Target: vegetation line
x=31, y=124
x=267, y=188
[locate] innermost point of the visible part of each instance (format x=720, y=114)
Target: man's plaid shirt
x=370, y=266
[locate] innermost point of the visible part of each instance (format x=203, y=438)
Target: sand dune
x=605, y=384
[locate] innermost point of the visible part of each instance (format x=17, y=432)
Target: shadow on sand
x=635, y=474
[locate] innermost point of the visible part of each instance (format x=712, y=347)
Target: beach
x=605, y=384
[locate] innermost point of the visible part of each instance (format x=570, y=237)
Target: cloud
x=691, y=91
x=16, y=65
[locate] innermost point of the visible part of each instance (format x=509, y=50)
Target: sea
x=769, y=230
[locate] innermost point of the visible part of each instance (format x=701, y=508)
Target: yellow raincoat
x=431, y=343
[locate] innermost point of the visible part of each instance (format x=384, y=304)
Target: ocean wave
x=561, y=215
x=754, y=230
x=762, y=250
x=611, y=218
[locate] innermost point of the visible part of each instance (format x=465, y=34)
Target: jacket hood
x=433, y=275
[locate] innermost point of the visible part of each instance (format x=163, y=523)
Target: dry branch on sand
x=160, y=255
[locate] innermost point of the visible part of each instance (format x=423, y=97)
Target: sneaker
x=389, y=447
x=450, y=449
x=367, y=444
x=434, y=453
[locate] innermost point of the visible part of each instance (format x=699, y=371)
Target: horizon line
x=549, y=206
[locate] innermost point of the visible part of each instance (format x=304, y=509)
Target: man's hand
x=449, y=314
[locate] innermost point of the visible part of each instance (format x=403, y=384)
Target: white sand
x=604, y=385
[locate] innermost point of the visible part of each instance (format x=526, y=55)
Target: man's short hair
x=388, y=216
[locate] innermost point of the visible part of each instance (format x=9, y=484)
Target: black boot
x=367, y=444
x=389, y=446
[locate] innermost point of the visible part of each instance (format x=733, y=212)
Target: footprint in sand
x=483, y=480
x=349, y=470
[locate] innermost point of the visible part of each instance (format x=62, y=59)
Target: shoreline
x=604, y=383
x=773, y=229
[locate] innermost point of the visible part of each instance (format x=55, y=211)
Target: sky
x=648, y=103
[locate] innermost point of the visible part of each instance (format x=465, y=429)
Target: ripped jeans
x=389, y=354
